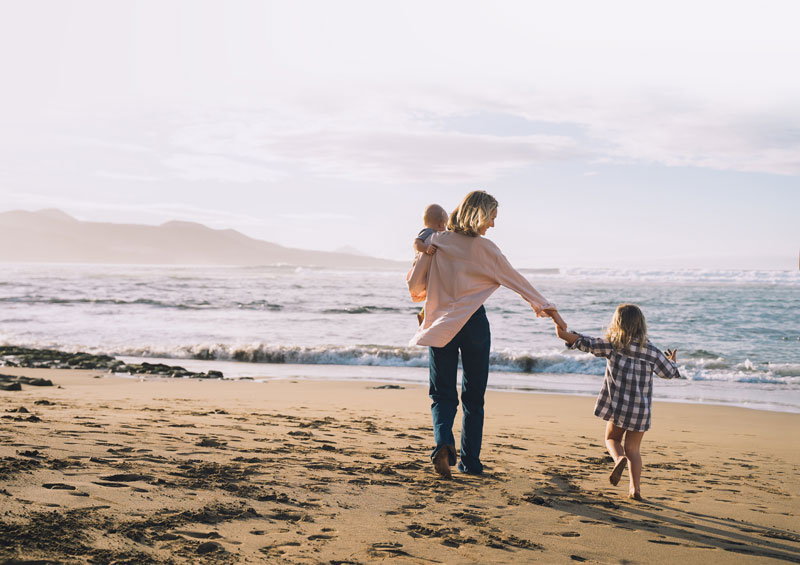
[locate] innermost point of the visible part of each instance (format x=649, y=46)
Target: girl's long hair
x=627, y=326
x=474, y=212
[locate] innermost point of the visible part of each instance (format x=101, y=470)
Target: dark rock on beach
x=209, y=547
x=12, y=382
x=34, y=382
x=53, y=359
x=12, y=356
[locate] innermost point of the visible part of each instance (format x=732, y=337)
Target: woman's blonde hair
x=474, y=212
x=627, y=326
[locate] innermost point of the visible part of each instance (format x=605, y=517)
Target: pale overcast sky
x=633, y=134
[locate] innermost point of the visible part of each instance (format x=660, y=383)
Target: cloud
x=417, y=156
x=380, y=151
x=455, y=139
x=705, y=138
x=225, y=168
x=311, y=216
x=115, y=175
x=674, y=129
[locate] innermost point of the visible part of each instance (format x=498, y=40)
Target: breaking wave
x=699, y=368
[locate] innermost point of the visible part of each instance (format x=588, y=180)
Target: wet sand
x=108, y=469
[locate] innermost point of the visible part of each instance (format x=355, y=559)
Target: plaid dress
x=628, y=386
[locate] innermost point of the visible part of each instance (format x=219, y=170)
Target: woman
x=454, y=282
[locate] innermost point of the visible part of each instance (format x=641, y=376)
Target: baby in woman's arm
x=434, y=219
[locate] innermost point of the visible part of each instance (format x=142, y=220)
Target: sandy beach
x=102, y=469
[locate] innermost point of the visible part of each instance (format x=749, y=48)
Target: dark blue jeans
x=473, y=341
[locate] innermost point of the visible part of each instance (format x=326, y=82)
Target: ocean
x=737, y=332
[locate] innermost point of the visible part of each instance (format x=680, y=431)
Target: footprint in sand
x=58, y=486
x=199, y=535
x=563, y=534
x=126, y=478
x=389, y=549
x=210, y=442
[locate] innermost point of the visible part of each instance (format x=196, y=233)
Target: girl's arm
x=666, y=365
x=567, y=336
x=595, y=346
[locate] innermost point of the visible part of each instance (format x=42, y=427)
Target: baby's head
x=435, y=217
x=627, y=326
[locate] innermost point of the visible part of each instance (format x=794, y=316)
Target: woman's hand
x=553, y=313
x=672, y=355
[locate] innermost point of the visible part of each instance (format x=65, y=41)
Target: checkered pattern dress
x=628, y=386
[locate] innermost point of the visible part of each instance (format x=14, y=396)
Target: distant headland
x=52, y=236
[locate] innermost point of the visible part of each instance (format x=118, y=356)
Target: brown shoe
x=615, y=475
x=441, y=462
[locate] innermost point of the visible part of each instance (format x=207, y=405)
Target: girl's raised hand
x=672, y=355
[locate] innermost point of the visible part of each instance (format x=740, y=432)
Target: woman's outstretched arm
x=509, y=277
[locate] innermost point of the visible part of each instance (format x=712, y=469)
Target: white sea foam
x=506, y=361
x=787, y=278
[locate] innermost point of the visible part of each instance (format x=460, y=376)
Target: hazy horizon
x=617, y=135
x=350, y=250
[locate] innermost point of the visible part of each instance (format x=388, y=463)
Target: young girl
x=627, y=393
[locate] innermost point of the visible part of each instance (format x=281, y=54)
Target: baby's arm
x=421, y=247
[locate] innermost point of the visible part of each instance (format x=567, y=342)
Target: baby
x=435, y=219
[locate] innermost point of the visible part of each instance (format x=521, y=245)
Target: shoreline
x=777, y=393
x=523, y=383
x=490, y=388
x=221, y=471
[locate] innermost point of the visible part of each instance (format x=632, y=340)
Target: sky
x=613, y=134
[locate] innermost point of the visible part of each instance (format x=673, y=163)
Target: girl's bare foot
x=613, y=478
x=635, y=495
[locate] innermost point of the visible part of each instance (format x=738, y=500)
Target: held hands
x=563, y=333
x=559, y=321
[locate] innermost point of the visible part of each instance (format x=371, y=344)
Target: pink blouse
x=457, y=280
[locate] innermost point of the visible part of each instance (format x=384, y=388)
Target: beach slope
x=100, y=469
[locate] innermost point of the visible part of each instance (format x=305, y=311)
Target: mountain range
x=52, y=236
